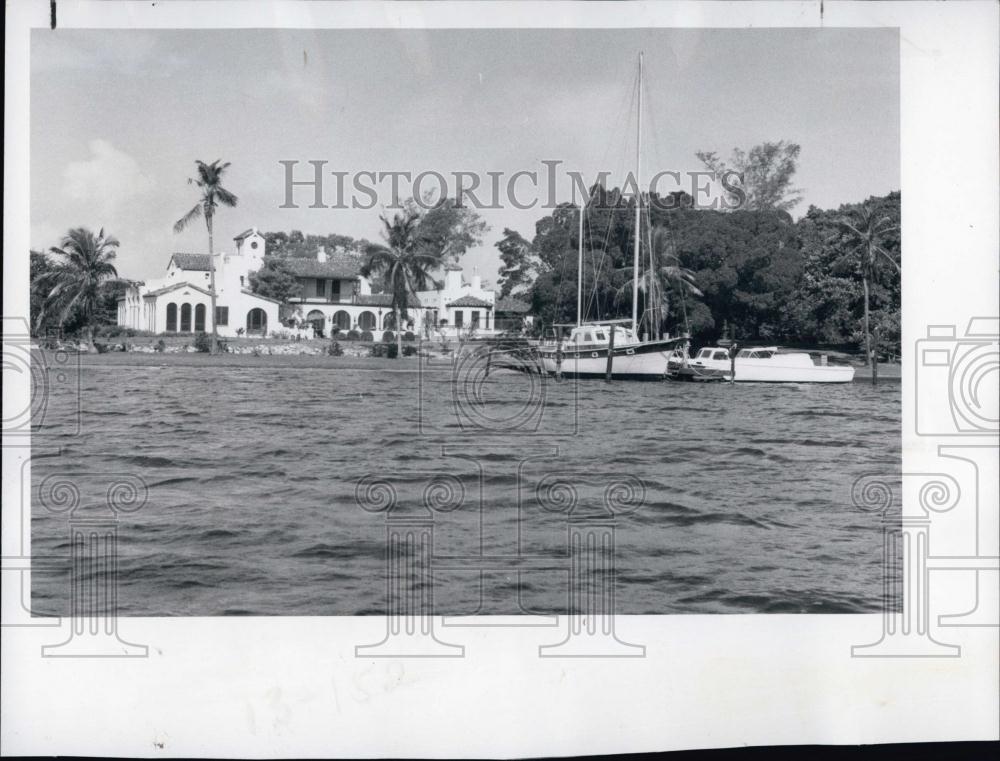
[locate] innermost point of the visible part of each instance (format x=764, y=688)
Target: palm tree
x=671, y=277
x=865, y=230
x=76, y=281
x=209, y=182
x=671, y=274
x=405, y=263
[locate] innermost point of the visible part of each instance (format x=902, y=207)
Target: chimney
x=477, y=282
x=321, y=255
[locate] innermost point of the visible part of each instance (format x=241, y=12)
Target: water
x=252, y=477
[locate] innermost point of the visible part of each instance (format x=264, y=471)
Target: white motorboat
x=769, y=364
x=584, y=354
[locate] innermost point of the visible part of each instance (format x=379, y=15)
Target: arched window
x=389, y=321
x=199, y=318
x=342, y=320
x=171, y=317
x=367, y=321
x=185, y=318
x=256, y=321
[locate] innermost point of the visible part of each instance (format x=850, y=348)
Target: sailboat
x=585, y=352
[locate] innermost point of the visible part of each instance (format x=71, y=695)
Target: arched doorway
x=256, y=321
x=389, y=321
x=367, y=321
x=199, y=318
x=171, y=317
x=185, y=318
x=342, y=320
x=318, y=320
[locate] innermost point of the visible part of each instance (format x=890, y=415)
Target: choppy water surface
x=252, y=475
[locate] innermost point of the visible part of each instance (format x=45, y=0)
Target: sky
x=119, y=117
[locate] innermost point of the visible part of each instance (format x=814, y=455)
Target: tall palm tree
x=865, y=229
x=209, y=182
x=77, y=279
x=405, y=263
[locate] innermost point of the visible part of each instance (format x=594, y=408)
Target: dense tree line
x=759, y=274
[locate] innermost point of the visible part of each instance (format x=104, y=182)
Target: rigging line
x=651, y=119
x=593, y=300
x=620, y=110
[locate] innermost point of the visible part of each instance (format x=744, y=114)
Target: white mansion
x=333, y=295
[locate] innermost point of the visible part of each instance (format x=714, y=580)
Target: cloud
x=110, y=182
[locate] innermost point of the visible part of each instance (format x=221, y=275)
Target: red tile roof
x=338, y=267
x=174, y=287
x=470, y=301
x=199, y=262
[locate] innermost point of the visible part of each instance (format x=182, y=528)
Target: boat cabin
x=757, y=353
x=713, y=353
x=599, y=335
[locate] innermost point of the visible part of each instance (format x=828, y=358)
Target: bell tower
x=251, y=246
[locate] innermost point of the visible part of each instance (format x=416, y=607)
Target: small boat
x=584, y=354
x=680, y=367
x=770, y=364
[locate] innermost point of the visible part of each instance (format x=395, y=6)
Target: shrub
x=202, y=343
x=391, y=351
x=119, y=331
x=335, y=349
x=367, y=336
x=240, y=331
x=376, y=350
x=101, y=347
x=161, y=346
x=334, y=331
x=353, y=335
x=408, y=336
x=409, y=350
x=389, y=337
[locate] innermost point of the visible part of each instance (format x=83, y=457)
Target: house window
x=459, y=318
x=241, y=281
x=321, y=289
x=199, y=318
x=475, y=318
x=171, y=318
x=222, y=315
x=342, y=320
x=185, y=318
x=334, y=290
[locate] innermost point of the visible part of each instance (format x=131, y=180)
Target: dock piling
x=611, y=354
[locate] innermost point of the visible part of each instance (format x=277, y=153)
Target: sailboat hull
x=642, y=361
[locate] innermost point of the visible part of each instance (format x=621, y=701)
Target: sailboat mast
x=579, y=272
x=638, y=205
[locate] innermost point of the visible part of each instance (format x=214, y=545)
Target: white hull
x=652, y=364
x=749, y=372
x=796, y=367
x=586, y=356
